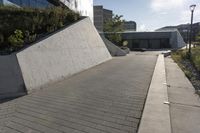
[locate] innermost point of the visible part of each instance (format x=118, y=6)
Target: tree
x=113, y=27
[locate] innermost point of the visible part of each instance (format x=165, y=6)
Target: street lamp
x=192, y=8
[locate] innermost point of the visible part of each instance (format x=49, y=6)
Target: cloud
x=160, y=5
x=175, y=11
x=163, y=13
x=142, y=27
x=186, y=15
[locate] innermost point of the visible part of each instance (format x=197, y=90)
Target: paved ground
x=156, y=118
x=184, y=103
x=108, y=98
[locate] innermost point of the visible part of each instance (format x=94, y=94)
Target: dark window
x=25, y=3
x=17, y=2
x=135, y=44
x=32, y=3
x=165, y=43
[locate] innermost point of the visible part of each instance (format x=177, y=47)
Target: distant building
x=130, y=26
x=153, y=40
x=84, y=7
x=184, y=30
x=101, y=15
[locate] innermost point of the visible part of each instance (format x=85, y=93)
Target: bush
x=28, y=37
x=32, y=23
x=196, y=57
x=1, y=39
x=182, y=55
x=16, y=40
x=188, y=74
x=125, y=43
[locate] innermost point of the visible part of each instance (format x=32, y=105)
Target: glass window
x=17, y=2
x=25, y=2
x=32, y=3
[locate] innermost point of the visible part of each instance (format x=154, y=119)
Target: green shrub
x=196, y=57
x=16, y=40
x=125, y=43
x=1, y=40
x=197, y=62
x=36, y=21
x=28, y=37
x=188, y=74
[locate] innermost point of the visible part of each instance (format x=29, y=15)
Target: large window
x=32, y=3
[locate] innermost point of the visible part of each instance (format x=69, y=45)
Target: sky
x=153, y=14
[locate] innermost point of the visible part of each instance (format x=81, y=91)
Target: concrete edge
x=168, y=53
x=156, y=117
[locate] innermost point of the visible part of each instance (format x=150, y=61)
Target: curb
x=156, y=117
x=166, y=54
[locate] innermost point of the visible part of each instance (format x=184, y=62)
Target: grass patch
x=191, y=67
x=196, y=57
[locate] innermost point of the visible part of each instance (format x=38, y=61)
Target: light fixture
x=192, y=7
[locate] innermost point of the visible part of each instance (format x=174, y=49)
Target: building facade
x=84, y=7
x=153, y=40
x=184, y=30
x=130, y=26
x=28, y=3
x=101, y=15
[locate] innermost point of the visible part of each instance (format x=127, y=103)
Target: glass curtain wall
x=31, y=3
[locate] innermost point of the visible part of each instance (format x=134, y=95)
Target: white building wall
x=84, y=7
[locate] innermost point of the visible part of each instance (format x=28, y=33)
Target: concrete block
x=72, y=50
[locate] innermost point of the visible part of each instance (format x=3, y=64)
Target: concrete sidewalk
x=184, y=103
x=156, y=117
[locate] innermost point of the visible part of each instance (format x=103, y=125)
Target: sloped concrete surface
x=74, y=49
x=112, y=48
x=184, y=103
x=108, y=98
x=11, y=81
x=156, y=117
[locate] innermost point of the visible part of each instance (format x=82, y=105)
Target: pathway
x=108, y=98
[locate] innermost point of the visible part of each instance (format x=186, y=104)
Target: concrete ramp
x=112, y=48
x=72, y=50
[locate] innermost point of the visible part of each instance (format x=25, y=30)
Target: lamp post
x=187, y=38
x=192, y=7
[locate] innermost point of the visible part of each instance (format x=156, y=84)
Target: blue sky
x=153, y=14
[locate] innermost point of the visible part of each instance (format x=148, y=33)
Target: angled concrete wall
x=177, y=40
x=11, y=81
x=112, y=48
x=180, y=41
x=65, y=53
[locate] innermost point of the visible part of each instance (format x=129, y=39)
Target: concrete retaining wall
x=112, y=48
x=181, y=43
x=11, y=81
x=177, y=40
x=65, y=53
